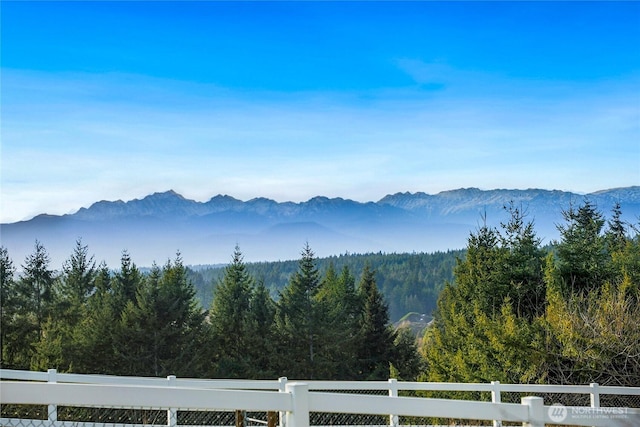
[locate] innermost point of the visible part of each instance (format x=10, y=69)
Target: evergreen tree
x=37, y=287
x=484, y=325
x=34, y=303
x=523, y=265
x=163, y=326
x=57, y=348
x=9, y=307
x=261, y=335
x=616, y=234
x=339, y=323
x=582, y=254
x=77, y=282
x=479, y=277
x=126, y=282
x=377, y=338
x=230, y=319
x=406, y=360
x=98, y=331
x=297, y=320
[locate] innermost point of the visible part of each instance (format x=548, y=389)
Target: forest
x=510, y=310
x=410, y=282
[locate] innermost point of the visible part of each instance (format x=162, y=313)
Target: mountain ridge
x=154, y=227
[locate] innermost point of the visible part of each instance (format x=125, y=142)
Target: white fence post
x=299, y=416
x=595, y=395
x=496, y=398
x=52, y=410
x=393, y=392
x=536, y=411
x=282, y=388
x=172, y=413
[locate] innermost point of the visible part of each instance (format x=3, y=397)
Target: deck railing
x=175, y=401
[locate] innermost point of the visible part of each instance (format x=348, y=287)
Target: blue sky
x=289, y=100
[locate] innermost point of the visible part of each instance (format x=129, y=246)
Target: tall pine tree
x=377, y=337
x=9, y=308
x=298, y=318
x=230, y=319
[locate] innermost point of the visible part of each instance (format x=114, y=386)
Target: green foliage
x=406, y=361
x=57, y=349
x=77, y=284
x=298, y=318
x=582, y=252
x=164, y=326
x=410, y=282
x=9, y=309
x=261, y=337
x=517, y=314
x=98, y=331
x=230, y=318
x=376, y=349
x=29, y=303
x=321, y=326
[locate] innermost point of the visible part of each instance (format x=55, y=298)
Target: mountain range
x=154, y=228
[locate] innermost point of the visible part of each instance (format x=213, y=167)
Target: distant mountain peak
x=168, y=193
x=165, y=221
x=223, y=198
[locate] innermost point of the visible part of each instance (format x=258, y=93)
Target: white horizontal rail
x=296, y=402
x=8, y=374
x=127, y=396
x=416, y=407
x=571, y=389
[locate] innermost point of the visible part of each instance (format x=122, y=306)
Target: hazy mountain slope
x=155, y=227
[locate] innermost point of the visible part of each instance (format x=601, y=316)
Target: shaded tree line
x=88, y=319
x=410, y=282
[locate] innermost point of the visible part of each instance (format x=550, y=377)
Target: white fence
x=296, y=400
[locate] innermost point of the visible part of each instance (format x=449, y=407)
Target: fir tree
x=261, y=335
x=582, y=254
x=9, y=306
x=230, y=319
x=163, y=327
x=377, y=338
x=297, y=319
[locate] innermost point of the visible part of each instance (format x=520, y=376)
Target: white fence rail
x=296, y=400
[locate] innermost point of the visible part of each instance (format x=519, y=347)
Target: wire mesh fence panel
x=338, y=419
x=113, y=415
x=206, y=418
x=37, y=416
x=34, y=412
x=620, y=400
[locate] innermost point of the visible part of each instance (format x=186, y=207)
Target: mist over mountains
x=155, y=227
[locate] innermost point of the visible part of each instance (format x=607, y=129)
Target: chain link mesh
x=38, y=416
x=338, y=419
